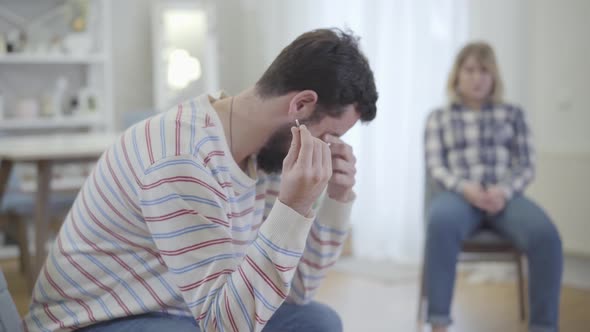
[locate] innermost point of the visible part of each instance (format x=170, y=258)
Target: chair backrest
x=10, y=321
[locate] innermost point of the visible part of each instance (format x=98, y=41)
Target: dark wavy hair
x=329, y=62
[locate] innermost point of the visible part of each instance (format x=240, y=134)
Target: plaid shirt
x=491, y=147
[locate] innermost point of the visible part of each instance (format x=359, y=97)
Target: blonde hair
x=484, y=54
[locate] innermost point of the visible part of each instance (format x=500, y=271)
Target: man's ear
x=302, y=104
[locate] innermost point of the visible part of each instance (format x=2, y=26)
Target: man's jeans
x=313, y=317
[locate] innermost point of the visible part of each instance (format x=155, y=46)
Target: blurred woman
x=478, y=149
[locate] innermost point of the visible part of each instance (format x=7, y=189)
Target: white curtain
x=410, y=45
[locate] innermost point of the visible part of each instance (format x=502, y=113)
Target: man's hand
x=306, y=171
x=344, y=169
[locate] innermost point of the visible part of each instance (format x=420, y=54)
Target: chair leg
x=521, y=287
x=16, y=228
x=23, y=247
x=422, y=292
x=22, y=260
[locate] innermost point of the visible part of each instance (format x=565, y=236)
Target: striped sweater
x=168, y=222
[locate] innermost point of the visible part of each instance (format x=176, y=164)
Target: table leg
x=5, y=169
x=41, y=219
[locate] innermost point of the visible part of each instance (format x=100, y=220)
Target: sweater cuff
x=286, y=228
x=335, y=214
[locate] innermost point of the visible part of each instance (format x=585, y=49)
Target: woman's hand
x=475, y=194
x=491, y=200
x=497, y=199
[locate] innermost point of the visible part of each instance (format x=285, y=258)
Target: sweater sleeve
x=185, y=210
x=323, y=245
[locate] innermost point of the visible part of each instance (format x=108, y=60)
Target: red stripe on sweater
x=122, y=264
x=148, y=141
x=316, y=266
x=193, y=247
x=212, y=154
x=106, y=200
x=318, y=240
x=188, y=179
x=53, y=318
x=204, y=280
x=171, y=215
x=114, y=234
x=265, y=277
x=66, y=296
x=246, y=281
x=240, y=214
x=119, y=185
x=95, y=281
x=229, y=313
x=127, y=160
x=63, y=293
x=260, y=320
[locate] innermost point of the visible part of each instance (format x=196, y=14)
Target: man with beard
x=202, y=218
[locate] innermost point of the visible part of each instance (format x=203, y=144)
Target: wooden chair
x=483, y=245
x=15, y=227
x=16, y=207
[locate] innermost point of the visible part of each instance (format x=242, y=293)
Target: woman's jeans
x=451, y=219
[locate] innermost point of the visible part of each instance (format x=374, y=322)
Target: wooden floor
x=372, y=306
x=367, y=305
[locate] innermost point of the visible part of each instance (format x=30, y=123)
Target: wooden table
x=45, y=151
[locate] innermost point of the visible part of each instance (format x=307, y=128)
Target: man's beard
x=270, y=158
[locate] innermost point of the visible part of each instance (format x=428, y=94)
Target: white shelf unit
x=30, y=74
x=54, y=123
x=37, y=72
x=51, y=59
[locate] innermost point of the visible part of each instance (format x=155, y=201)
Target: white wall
x=544, y=53
x=239, y=60
x=504, y=24
x=543, y=50
x=562, y=188
x=559, y=86
x=233, y=25
x=132, y=56
x=560, y=74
